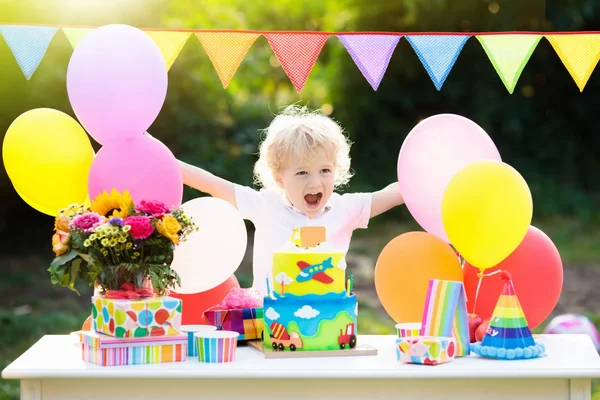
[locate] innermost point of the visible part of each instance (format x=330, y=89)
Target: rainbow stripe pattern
x=508, y=335
x=248, y=322
x=218, y=348
x=445, y=313
x=106, y=350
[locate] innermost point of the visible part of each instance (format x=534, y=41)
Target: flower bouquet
x=118, y=245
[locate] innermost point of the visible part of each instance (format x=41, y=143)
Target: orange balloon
x=87, y=325
x=404, y=268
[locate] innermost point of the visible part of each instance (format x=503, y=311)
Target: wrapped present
x=445, y=314
x=428, y=350
x=105, y=350
x=153, y=316
x=240, y=311
x=248, y=322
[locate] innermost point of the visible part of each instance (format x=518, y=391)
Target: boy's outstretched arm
x=206, y=182
x=386, y=198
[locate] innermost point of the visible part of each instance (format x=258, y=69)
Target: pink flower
x=87, y=222
x=141, y=227
x=152, y=207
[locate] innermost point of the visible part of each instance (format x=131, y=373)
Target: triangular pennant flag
x=169, y=43
x=297, y=53
x=509, y=54
x=579, y=53
x=508, y=335
x=74, y=35
x=28, y=44
x=371, y=54
x=226, y=51
x=438, y=53
x=445, y=313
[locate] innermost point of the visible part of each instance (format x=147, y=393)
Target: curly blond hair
x=300, y=132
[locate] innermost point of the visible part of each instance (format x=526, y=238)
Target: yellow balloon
x=47, y=156
x=486, y=211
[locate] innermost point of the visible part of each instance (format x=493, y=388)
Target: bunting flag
x=169, y=43
x=579, y=53
x=297, y=53
x=74, y=35
x=226, y=51
x=509, y=54
x=438, y=53
x=28, y=44
x=371, y=54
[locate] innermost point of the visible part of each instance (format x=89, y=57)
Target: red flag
x=297, y=53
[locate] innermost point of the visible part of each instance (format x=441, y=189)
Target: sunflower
x=113, y=205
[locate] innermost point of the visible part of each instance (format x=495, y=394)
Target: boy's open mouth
x=313, y=199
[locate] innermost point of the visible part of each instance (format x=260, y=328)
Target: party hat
x=508, y=335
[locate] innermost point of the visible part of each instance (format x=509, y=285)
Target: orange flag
x=226, y=51
x=297, y=53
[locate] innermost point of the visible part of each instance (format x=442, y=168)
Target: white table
x=52, y=369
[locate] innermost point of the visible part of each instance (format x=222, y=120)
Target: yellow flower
x=60, y=242
x=113, y=205
x=169, y=227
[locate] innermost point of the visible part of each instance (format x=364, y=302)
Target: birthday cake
x=309, y=307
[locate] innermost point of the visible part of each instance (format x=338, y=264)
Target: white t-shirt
x=275, y=218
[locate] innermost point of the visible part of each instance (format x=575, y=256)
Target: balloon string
x=481, y=275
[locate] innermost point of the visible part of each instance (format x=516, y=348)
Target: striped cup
x=408, y=329
x=216, y=346
x=190, y=330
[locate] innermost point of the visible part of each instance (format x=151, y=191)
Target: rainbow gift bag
x=445, y=313
x=248, y=322
x=105, y=350
x=153, y=316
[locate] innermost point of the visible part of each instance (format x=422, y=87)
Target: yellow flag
x=509, y=55
x=74, y=35
x=226, y=51
x=579, y=53
x=169, y=43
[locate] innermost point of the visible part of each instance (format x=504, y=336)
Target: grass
x=32, y=308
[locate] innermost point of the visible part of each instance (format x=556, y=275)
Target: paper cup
x=408, y=329
x=216, y=346
x=190, y=330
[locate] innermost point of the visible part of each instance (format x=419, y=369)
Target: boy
x=303, y=158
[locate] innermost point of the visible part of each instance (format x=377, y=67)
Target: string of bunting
x=297, y=51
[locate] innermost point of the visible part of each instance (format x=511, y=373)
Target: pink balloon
x=142, y=165
x=432, y=153
x=116, y=82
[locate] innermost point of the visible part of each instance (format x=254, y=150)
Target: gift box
x=427, y=350
x=105, y=350
x=248, y=322
x=153, y=316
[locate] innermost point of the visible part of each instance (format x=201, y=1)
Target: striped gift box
x=107, y=350
x=248, y=322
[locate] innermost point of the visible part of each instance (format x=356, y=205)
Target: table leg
x=580, y=389
x=31, y=390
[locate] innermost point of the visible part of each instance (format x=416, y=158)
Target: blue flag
x=438, y=53
x=28, y=44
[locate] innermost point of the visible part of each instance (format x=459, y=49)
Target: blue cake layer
x=320, y=322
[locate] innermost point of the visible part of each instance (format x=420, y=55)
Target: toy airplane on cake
x=314, y=271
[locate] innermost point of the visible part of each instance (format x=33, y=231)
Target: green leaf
x=65, y=258
x=74, y=271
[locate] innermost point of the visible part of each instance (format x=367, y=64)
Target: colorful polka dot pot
x=156, y=316
x=428, y=350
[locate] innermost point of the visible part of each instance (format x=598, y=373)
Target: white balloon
x=211, y=255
